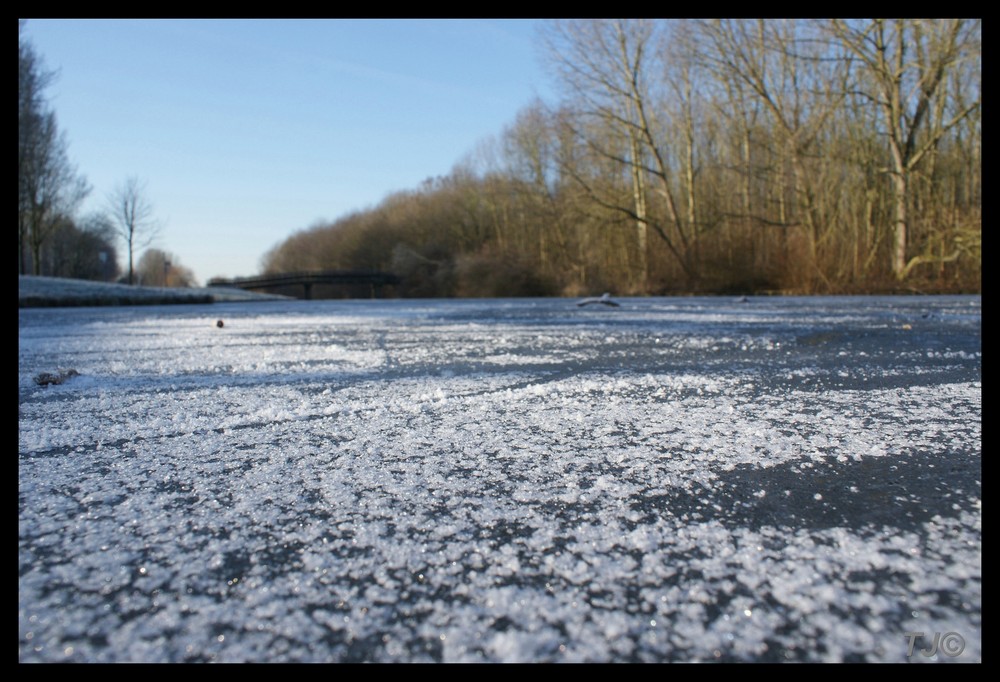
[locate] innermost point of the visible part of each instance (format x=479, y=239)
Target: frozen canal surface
x=514, y=480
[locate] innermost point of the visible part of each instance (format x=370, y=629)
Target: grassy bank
x=50, y=292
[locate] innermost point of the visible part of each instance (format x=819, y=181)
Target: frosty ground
x=517, y=480
x=35, y=292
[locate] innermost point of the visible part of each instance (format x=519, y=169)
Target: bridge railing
x=308, y=278
x=322, y=276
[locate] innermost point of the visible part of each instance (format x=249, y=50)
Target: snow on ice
x=670, y=480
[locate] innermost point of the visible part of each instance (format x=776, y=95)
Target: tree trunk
x=899, y=228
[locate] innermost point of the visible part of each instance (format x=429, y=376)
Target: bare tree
x=48, y=187
x=132, y=214
x=158, y=268
x=608, y=67
x=906, y=66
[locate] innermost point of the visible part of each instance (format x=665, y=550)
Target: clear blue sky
x=248, y=130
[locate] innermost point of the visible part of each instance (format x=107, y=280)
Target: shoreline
x=36, y=291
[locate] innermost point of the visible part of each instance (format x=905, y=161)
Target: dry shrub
x=486, y=275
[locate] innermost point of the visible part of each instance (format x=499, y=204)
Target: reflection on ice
x=680, y=480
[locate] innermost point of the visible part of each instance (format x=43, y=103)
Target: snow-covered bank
x=48, y=292
x=671, y=480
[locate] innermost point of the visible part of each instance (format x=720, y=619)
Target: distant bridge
x=375, y=280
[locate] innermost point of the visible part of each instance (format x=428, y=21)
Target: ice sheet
x=672, y=480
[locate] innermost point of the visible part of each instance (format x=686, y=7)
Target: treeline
x=711, y=156
x=53, y=240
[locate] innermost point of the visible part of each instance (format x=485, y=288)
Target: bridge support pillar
x=309, y=290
